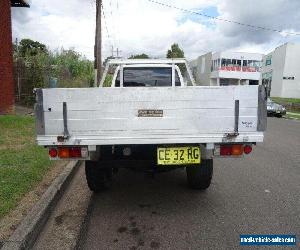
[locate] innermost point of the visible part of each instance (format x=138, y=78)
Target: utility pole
x=98, y=44
x=112, y=51
x=18, y=71
x=117, y=51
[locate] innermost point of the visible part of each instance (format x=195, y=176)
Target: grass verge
x=22, y=162
x=293, y=115
x=285, y=100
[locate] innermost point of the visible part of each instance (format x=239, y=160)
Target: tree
x=139, y=56
x=28, y=47
x=176, y=52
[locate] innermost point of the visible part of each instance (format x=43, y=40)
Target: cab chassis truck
x=149, y=117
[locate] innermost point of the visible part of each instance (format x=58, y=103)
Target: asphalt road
x=258, y=194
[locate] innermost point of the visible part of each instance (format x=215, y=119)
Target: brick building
x=6, y=57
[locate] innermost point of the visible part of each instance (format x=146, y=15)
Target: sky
x=141, y=26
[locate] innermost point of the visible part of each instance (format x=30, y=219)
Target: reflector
x=247, y=149
x=52, y=152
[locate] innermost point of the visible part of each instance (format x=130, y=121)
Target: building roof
x=19, y=3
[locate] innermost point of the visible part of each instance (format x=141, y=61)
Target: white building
x=281, y=71
x=227, y=68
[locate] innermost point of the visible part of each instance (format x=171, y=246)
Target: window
x=223, y=63
x=228, y=62
x=268, y=60
x=148, y=77
x=117, y=83
x=215, y=64
x=245, y=63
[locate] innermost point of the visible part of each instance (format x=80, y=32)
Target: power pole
x=112, y=51
x=118, y=52
x=98, y=44
x=18, y=71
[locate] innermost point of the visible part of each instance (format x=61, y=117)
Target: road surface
x=258, y=194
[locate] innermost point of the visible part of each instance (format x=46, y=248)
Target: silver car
x=275, y=109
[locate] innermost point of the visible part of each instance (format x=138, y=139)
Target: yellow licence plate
x=178, y=155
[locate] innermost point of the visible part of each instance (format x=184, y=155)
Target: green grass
x=22, y=162
x=108, y=80
x=294, y=115
x=285, y=100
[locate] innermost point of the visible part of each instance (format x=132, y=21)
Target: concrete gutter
x=29, y=229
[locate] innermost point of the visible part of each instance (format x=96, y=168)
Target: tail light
x=247, y=149
x=237, y=149
x=68, y=152
x=52, y=152
x=234, y=149
x=63, y=152
x=75, y=152
x=225, y=150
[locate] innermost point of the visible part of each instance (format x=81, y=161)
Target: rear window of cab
x=148, y=77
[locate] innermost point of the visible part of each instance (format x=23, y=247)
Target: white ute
x=153, y=118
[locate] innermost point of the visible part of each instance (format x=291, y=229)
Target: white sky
x=139, y=26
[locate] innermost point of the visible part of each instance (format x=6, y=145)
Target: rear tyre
x=199, y=176
x=98, y=179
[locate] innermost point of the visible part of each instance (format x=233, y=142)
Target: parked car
x=152, y=119
x=275, y=109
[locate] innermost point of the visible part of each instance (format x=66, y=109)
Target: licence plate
x=178, y=155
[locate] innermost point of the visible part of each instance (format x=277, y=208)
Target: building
x=281, y=71
x=6, y=57
x=227, y=68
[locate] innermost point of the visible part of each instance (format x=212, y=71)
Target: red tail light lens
x=235, y=149
x=75, y=152
x=247, y=149
x=68, y=152
x=225, y=150
x=52, y=152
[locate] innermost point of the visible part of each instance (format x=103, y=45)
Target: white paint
x=193, y=114
x=285, y=63
x=203, y=65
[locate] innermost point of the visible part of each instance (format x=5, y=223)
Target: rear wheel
x=98, y=178
x=199, y=176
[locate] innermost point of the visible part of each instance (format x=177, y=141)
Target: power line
x=224, y=20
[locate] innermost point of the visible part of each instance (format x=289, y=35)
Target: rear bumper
x=274, y=112
x=94, y=140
